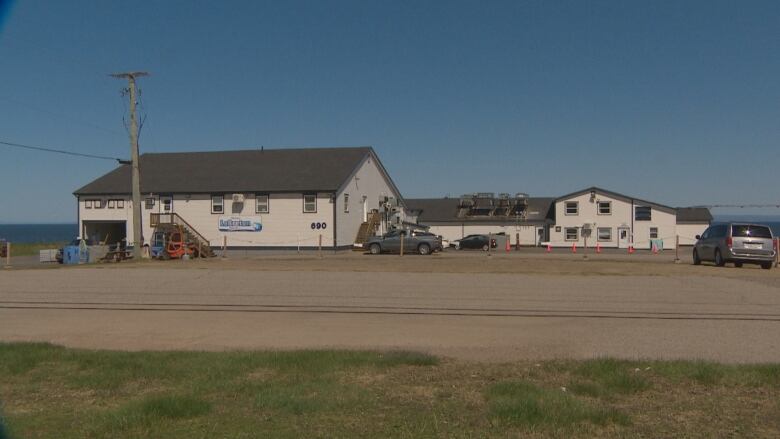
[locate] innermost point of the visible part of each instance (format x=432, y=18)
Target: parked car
x=422, y=242
x=737, y=243
x=474, y=242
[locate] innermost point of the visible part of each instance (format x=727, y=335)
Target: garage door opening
x=110, y=232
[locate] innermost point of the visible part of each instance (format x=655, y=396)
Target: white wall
x=621, y=216
x=106, y=214
x=451, y=232
x=688, y=232
x=369, y=182
x=284, y=226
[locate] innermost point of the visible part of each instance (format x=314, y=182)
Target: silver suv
x=737, y=243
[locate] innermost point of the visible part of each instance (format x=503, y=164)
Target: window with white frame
x=120, y=204
x=97, y=204
x=571, y=207
x=571, y=233
x=309, y=203
x=653, y=232
x=261, y=203
x=605, y=207
x=149, y=203
x=87, y=204
x=111, y=204
x=643, y=213
x=217, y=204
x=604, y=233
x=346, y=203
x=167, y=204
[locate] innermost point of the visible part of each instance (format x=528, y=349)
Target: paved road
x=474, y=316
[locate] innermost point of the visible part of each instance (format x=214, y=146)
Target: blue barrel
x=70, y=255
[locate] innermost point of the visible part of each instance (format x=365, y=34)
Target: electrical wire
x=60, y=151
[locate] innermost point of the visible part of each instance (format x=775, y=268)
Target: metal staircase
x=166, y=221
x=367, y=229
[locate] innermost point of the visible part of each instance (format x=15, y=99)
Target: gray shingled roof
x=693, y=215
x=270, y=170
x=445, y=210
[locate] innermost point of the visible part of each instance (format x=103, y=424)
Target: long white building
x=591, y=216
x=271, y=198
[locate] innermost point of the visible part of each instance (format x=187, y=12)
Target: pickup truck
x=422, y=243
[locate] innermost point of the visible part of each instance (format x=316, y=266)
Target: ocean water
x=35, y=233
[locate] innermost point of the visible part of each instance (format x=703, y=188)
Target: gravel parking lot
x=469, y=305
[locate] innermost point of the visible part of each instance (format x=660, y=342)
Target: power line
x=60, y=151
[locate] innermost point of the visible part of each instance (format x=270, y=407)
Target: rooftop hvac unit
x=521, y=195
x=238, y=198
x=486, y=195
x=503, y=196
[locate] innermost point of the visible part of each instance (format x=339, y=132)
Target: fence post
x=402, y=242
x=224, y=245
x=517, y=241
x=8, y=254
x=319, y=246
x=677, y=249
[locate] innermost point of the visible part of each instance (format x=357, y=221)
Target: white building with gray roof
x=269, y=198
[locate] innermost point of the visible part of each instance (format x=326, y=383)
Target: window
x=309, y=203
x=604, y=233
x=572, y=207
x=111, y=204
x=261, y=203
x=149, y=202
x=120, y=204
x=217, y=204
x=740, y=231
x=167, y=204
x=643, y=213
x=653, y=232
x=571, y=233
x=605, y=207
x=346, y=203
x=87, y=204
x=97, y=204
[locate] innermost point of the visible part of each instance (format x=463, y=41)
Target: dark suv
x=736, y=242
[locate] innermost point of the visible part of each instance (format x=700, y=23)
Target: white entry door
x=624, y=237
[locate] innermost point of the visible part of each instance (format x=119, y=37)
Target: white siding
x=451, y=232
x=369, y=182
x=284, y=226
x=106, y=214
x=688, y=232
x=622, y=215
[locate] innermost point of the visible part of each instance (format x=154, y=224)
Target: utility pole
x=136, y=179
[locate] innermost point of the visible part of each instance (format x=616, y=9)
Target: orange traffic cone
x=549, y=248
x=655, y=249
x=508, y=246
x=598, y=248
x=630, y=249
x=574, y=248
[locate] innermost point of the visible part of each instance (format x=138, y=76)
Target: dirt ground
x=467, y=305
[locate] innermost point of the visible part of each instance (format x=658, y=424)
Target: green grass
x=530, y=405
x=50, y=391
x=25, y=249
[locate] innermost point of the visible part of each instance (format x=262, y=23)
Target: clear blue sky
x=676, y=102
